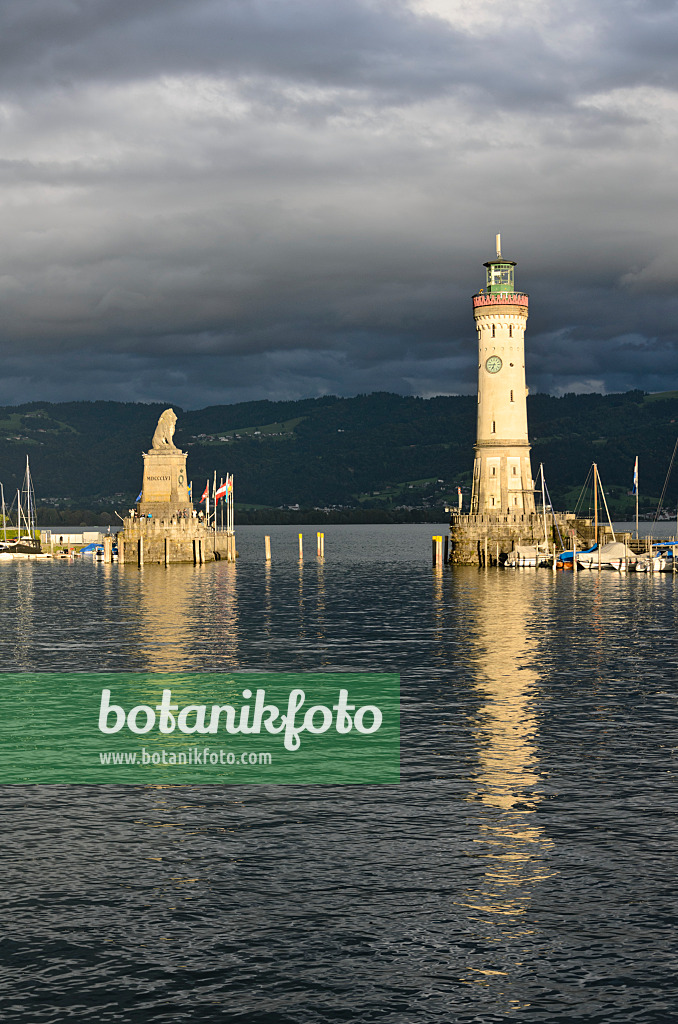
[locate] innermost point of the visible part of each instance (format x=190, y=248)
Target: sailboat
x=614, y=554
x=26, y=542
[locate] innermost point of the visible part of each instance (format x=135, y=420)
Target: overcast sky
x=209, y=201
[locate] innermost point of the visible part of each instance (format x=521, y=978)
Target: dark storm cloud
x=212, y=201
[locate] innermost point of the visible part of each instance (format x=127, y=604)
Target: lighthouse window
x=493, y=330
x=494, y=471
x=500, y=277
x=494, y=427
x=511, y=396
x=514, y=470
x=510, y=331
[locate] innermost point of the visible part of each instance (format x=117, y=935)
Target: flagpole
x=636, y=483
x=215, y=510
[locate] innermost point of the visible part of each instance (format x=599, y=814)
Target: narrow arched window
x=494, y=427
x=512, y=396
x=510, y=331
x=494, y=328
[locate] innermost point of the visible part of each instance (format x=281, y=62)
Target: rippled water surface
x=525, y=868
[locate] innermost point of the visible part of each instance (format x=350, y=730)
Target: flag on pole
x=635, y=477
x=221, y=492
x=229, y=481
x=206, y=493
x=139, y=495
x=190, y=491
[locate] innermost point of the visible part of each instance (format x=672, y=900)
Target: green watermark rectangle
x=199, y=728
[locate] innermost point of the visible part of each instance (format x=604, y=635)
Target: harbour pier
x=165, y=527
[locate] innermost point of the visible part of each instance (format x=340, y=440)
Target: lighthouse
x=502, y=472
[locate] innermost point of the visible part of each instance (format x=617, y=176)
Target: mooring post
x=321, y=545
x=485, y=562
x=108, y=549
x=167, y=550
x=267, y=546
x=141, y=551
x=301, y=545
x=121, y=548
x=446, y=556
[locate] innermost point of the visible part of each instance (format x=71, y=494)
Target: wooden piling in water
x=437, y=550
x=301, y=545
x=267, y=547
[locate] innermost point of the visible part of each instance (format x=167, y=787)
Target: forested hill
x=373, y=451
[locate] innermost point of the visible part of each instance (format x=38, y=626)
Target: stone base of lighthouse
x=488, y=539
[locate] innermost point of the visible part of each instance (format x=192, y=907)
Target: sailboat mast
x=4, y=518
x=543, y=501
x=29, y=506
x=595, y=502
x=636, y=482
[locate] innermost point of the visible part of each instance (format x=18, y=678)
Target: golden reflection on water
x=320, y=608
x=25, y=609
x=511, y=848
x=300, y=602
x=183, y=608
x=440, y=650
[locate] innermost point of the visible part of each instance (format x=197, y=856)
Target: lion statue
x=165, y=430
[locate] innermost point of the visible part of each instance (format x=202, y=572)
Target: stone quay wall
x=473, y=539
x=173, y=540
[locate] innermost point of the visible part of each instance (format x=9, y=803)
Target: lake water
x=523, y=870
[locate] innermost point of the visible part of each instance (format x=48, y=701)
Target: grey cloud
x=212, y=201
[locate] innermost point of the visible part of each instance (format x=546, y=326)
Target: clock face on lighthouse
x=493, y=364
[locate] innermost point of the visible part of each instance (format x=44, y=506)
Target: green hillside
x=379, y=451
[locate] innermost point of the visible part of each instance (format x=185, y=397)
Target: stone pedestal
x=164, y=492
x=164, y=541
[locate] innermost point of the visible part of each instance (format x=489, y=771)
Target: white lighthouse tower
x=502, y=474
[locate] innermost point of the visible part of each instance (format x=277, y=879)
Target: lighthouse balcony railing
x=476, y=519
x=501, y=298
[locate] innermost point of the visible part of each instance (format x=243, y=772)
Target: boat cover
x=613, y=552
